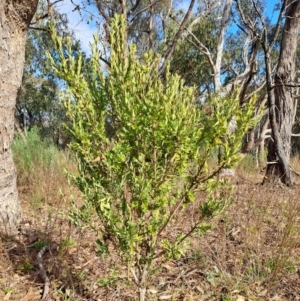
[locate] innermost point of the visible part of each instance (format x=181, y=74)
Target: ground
x=252, y=253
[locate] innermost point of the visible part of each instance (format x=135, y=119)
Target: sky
x=84, y=31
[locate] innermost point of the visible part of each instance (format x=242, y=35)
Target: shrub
x=142, y=145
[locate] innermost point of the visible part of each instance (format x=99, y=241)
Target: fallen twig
x=296, y=172
x=43, y=270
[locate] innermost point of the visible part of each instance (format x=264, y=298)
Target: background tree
x=237, y=57
x=190, y=62
x=281, y=98
x=39, y=102
x=227, y=59
x=280, y=80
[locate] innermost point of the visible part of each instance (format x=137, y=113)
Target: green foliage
x=25, y=266
x=40, y=244
x=108, y=281
x=142, y=145
x=67, y=243
x=40, y=166
x=188, y=61
x=225, y=298
x=33, y=153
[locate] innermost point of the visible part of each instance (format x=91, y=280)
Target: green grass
x=34, y=155
x=41, y=169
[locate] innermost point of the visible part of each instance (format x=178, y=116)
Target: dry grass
x=253, y=252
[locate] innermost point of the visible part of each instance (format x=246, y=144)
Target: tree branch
x=172, y=46
x=203, y=15
x=201, y=47
x=134, y=7
x=39, y=28
x=45, y=15
x=144, y=9
x=105, y=61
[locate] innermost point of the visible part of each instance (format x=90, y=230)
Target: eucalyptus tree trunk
x=281, y=101
x=15, y=17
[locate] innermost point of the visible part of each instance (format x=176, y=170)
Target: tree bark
x=220, y=46
x=15, y=17
x=281, y=101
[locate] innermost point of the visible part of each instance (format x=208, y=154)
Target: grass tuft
x=41, y=169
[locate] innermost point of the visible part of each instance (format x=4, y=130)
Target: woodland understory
x=113, y=160
x=252, y=252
